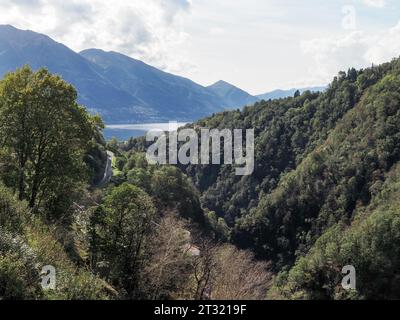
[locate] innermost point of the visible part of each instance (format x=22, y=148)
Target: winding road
x=108, y=171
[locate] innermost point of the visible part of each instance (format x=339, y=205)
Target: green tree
x=173, y=189
x=120, y=229
x=47, y=134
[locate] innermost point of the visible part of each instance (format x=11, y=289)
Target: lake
x=125, y=131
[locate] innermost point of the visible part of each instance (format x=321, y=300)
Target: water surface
x=125, y=131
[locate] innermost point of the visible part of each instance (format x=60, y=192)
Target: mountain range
x=122, y=89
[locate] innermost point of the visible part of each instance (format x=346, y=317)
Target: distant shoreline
x=125, y=131
x=144, y=126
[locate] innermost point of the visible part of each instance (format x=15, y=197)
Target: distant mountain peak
x=221, y=84
x=8, y=29
x=20, y=38
x=234, y=96
x=102, y=57
x=7, y=26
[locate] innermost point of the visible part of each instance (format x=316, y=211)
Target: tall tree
x=120, y=230
x=46, y=132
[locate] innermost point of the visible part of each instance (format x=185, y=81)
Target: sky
x=257, y=45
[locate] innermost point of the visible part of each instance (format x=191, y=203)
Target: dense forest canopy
x=320, y=157
x=324, y=194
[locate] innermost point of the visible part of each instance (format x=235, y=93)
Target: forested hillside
x=325, y=187
x=324, y=164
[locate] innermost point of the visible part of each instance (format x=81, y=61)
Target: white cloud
x=145, y=29
x=332, y=54
x=384, y=47
x=217, y=31
x=375, y=3
x=356, y=49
